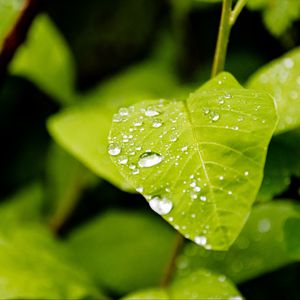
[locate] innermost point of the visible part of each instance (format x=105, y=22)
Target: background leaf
x=291, y=237
x=258, y=249
x=281, y=78
x=46, y=60
x=215, y=143
x=202, y=284
x=131, y=255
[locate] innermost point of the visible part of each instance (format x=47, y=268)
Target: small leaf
x=46, y=60
x=258, y=249
x=292, y=238
x=131, y=255
x=278, y=15
x=281, y=78
x=199, y=163
x=283, y=162
x=82, y=130
x=202, y=284
x=35, y=266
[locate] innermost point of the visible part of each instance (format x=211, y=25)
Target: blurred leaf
x=46, y=60
x=83, y=129
x=124, y=251
x=283, y=161
x=216, y=144
x=23, y=207
x=65, y=181
x=33, y=266
x=281, y=78
x=202, y=284
x=292, y=237
x=258, y=249
x=9, y=11
x=278, y=15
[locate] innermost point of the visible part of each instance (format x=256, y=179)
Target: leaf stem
x=223, y=38
x=17, y=35
x=237, y=10
x=168, y=273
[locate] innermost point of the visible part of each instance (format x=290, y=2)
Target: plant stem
x=223, y=38
x=167, y=276
x=18, y=34
x=237, y=10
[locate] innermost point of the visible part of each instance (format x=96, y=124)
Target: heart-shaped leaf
x=198, y=162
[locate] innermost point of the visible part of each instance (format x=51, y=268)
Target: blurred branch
x=17, y=35
x=237, y=10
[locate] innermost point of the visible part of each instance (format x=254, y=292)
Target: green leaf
x=83, y=129
x=281, y=78
x=278, y=15
x=258, y=249
x=198, y=162
x=35, y=266
x=283, y=162
x=202, y=284
x=291, y=237
x=23, y=207
x=9, y=11
x=131, y=255
x=46, y=60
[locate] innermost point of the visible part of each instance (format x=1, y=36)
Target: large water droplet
x=114, y=149
x=162, y=206
x=149, y=159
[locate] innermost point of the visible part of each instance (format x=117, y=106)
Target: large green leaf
x=281, y=78
x=83, y=129
x=202, y=284
x=259, y=248
x=292, y=237
x=283, y=161
x=9, y=11
x=278, y=15
x=124, y=251
x=199, y=163
x=35, y=266
x=46, y=60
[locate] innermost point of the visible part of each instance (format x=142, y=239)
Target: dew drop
x=229, y=193
x=162, y=206
x=206, y=111
x=151, y=112
x=139, y=189
x=264, y=225
x=138, y=123
x=184, y=148
x=157, y=123
x=114, y=149
x=228, y=96
x=123, y=111
x=123, y=160
x=246, y=173
x=288, y=63
x=200, y=240
x=203, y=198
x=173, y=137
x=197, y=188
x=149, y=159
x=117, y=118
x=135, y=171
x=221, y=177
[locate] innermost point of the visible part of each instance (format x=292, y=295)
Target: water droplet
x=123, y=160
x=235, y=128
x=221, y=177
x=203, y=198
x=288, y=63
x=132, y=167
x=206, y=111
x=200, y=240
x=173, y=138
x=229, y=193
x=221, y=101
x=138, y=123
x=123, y=111
x=246, y=173
x=149, y=159
x=151, y=112
x=139, y=189
x=114, y=149
x=162, y=206
x=157, y=123
x=214, y=116
x=135, y=171
x=117, y=118
x=197, y=188
x=184, y=148
x=228, y=96
x=264, y=225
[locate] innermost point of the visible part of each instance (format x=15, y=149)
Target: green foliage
x=278, y=15
x=131, y=255
x=9, y=11
x=281, y=79
x=258, y=249
x=202, y=284
x=34, y=267
x=83, y=129
x=46, y=60
x=283, y=162
x=215, y=141
x=291, y=237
